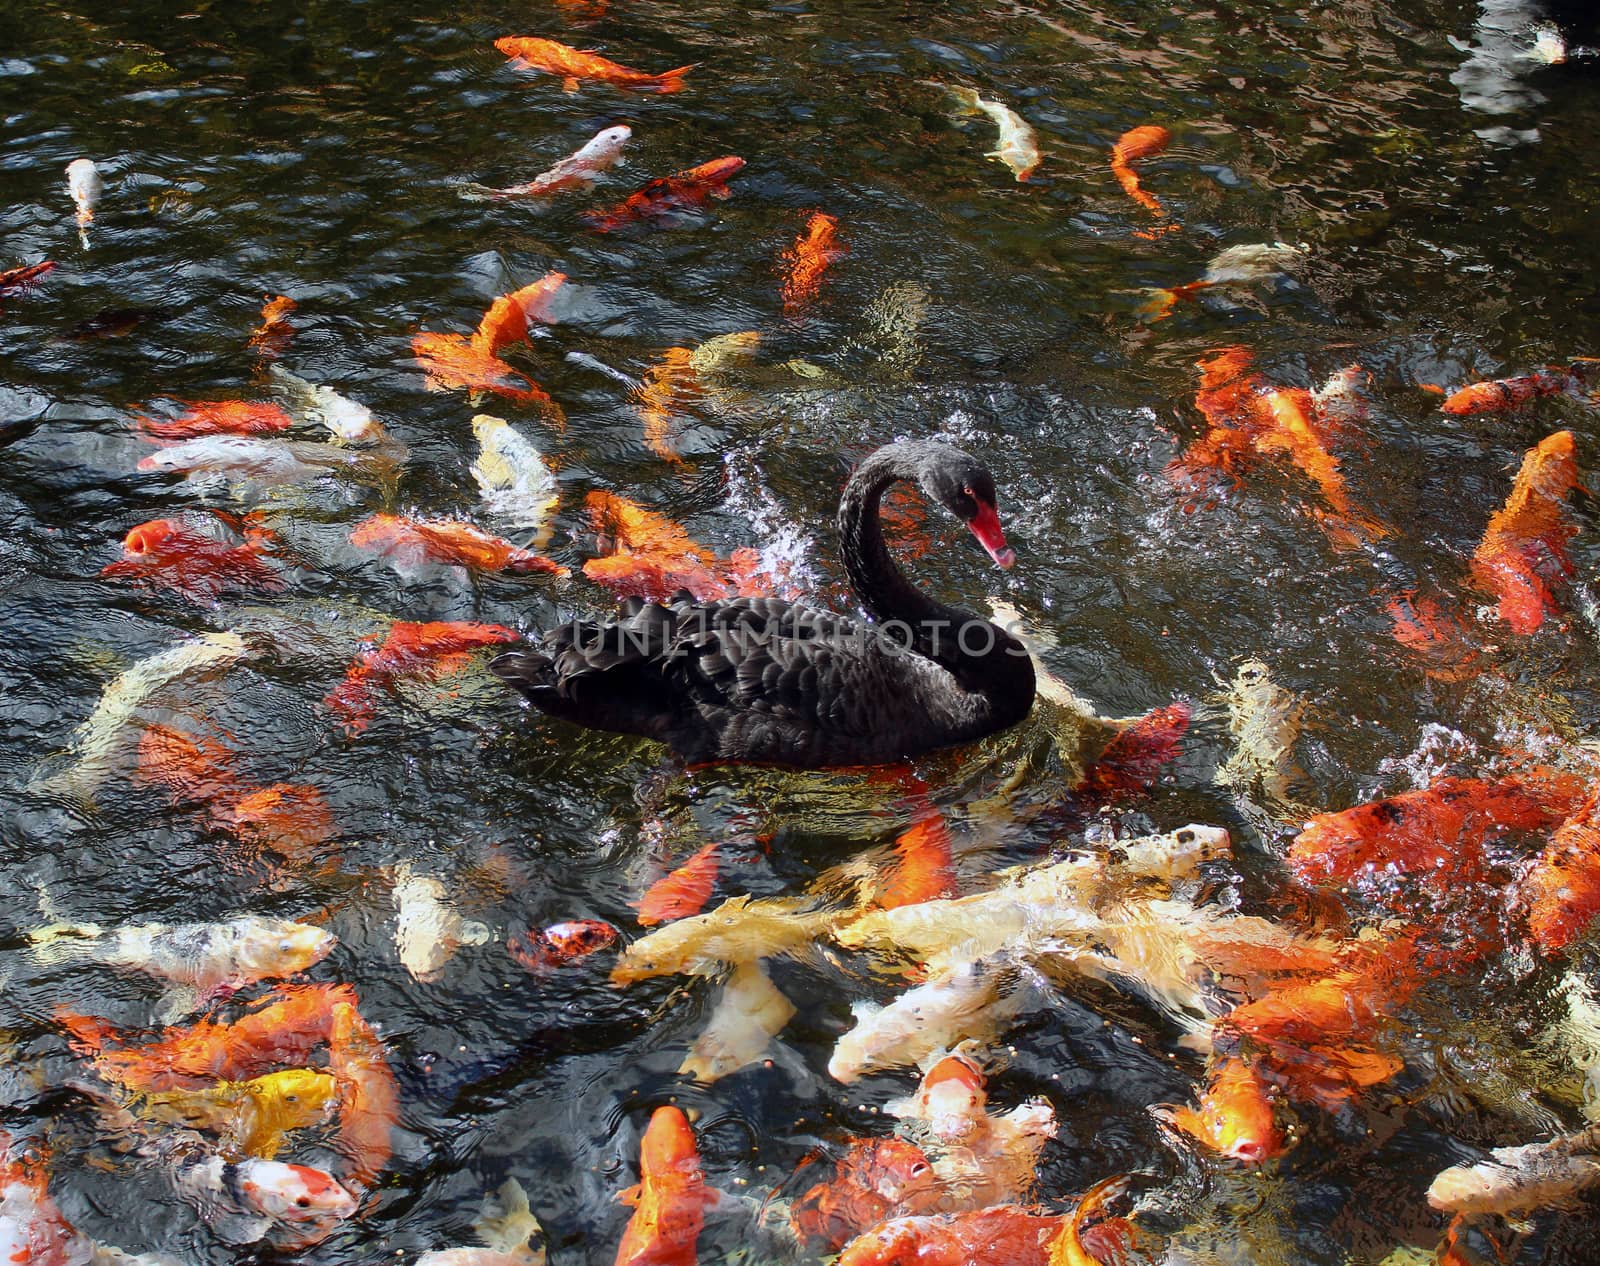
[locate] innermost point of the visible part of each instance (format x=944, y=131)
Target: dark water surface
x=315, y=149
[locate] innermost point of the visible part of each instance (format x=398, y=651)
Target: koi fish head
x=1235, y=1117
x=895, y=1169
x=297, y=1090
x=668, y=1149
x=966, y=489
x=148, y=538
x=606, y=145
x=276, y=947
x=578, y=938
x=952, y=1097
x=292, y=1193
x=717, y=171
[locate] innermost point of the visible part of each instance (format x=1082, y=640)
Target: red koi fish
x=1005, y=1235
x=683, y=892
x=670, y=1199
x=190, y=769
x=923, y=868
x=448, y=541
x=284, y=821
x=1438, y=639
x=171, y=554
x=574, y=65
x=1504, y=394
x=667, y=197
x=543, y=950
x=1132, y=145
x=805, y=262
x=215, y=417
x=24, y=280
x=1524, y=548
x=275, y=331
x=1236, y=1116
x=369, y=1100
x=875, y=1179
x=289, y=1026
x=1133, y=760
x=428, y=650
x=1561, y=893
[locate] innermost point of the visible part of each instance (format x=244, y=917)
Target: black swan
x=762, y=680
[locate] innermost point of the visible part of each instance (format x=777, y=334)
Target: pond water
x=1438, y=184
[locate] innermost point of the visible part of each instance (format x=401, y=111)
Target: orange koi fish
x=1561, y=893
x=1293, y=433
x=670, y=1199
x=806, y=261
x=1134, y=144
x=1236, y=1115
x=1438, y=639
x=667, y=386
x=544, y=949
x=683, y=892
x=448, y=541
x=508, y=316
x=274, y=333
x=24, y=280
x=875, y=1179
x=283, y=820
x=428, y=650
x=1005, y=1235
x=1132, y=761
x=573, y=65
x=215, y=417
x=191, y=769
x=1504, y=394
x=170, y=554
x=648, y=556
x=289, y=1026
x=923, y=869
x=451, y=361
x=369, y=1102
x=1524, y=548
x=666, y=197
x=1108, y=1242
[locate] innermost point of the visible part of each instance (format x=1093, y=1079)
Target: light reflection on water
x=316, y=151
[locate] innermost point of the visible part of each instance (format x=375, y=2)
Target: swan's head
x=966, y=489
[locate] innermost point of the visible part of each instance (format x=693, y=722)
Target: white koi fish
x=350, y=421
x=428, y=930
x=750, y=1011
x=242, y=457
x=85, y=186
x=1018, y=147
x=516, y=484
x=506, y=1225
x=578, y=170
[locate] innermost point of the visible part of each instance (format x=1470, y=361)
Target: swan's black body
x=758, y=679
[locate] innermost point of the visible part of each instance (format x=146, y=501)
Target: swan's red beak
x=985, y=526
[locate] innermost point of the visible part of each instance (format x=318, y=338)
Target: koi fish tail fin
x=87, y=1034
x=670, y=80
x=506, y=1223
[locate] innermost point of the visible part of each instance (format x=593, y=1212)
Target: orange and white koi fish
x=85, y=186
x=33, y=1231
x=426, y=650
x=875, y=1179
x=369, y=1100
x=1241, y=265
x=670, y=1199
x=1440, y=642
x=747, y=1014
x=275, y=331
x=805, y=262
x=1561, y=892
x=1236, y=1116
x=452, y=542
x=683, y=892
x=24, y=280
x=1018, y=146
x=1134, y=144
x=188, y=557
x=579, y=170
x=215, y=417
x=546, y=949
x=254, y=1201
x=1521, y=1180
x=1524, y=549
x=1504, y=394
x=574, y=65
x=665, y=198
x=1007, y=1235
x=507, y=1226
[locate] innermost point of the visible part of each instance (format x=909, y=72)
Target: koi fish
x=874, y=1180
x=369, y=1103
x=252, y=1116
x=452, y=542
x=667, y=197
x=573, y=65
x=193, y=562
x=1561, y=891
x=24, y=280
x=1524, y=549
x=215, y=417
x=1501, y=395
x=740, y=930
x=275, y=332
x=1007, y=1235
x=507, y=318
x=1134, y=144
x=1018, y=147
x=451, y=361
x=85, y=186
x=506, y=1225
x=1236, y=1116
x=670, y=1199
x=561, y=944
x=1241, y=265
x=427, y=651
x=1439, y=641
x=94, y=744
x=683, y=892
x=207, y=957
x=923, y=869
x=1108, y=1242
x=350, y=421
x=1521, y=1179
x=1265, y=721
x=805, y=262
x=579, y=170
x=667, y=386
x=33, y=1231
x=282, y=821
x=1131, y=762
x=748, y=1013
x=647, y=555
x=242, y=458
x=949, y=1100
x=254, y=1200
x=516, y=484
x=427, y=929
